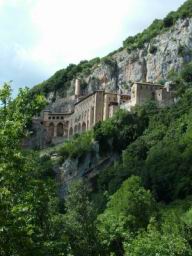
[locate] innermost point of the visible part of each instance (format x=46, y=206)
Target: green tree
x=186, y=73
x=80, y=220
x=27, y=197
x=123, y=217
x=156, y=242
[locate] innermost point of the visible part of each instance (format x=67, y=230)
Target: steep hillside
x=140, y=202
x=148, y=56
x=126, y=140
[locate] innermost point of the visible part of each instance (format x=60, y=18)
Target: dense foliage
x=76, y=147
x=29, y=218
x=141, y=205
x=158, y=27
x=62, y=78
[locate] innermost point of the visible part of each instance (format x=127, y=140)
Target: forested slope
x=139, y=206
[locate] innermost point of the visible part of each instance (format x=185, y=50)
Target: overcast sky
x=38, y=37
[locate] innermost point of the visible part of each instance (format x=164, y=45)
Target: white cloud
x=74, y=30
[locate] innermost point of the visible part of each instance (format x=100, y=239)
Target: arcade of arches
x=100, y=105
x=87, y=112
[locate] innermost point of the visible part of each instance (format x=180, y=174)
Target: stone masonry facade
x=99, y=106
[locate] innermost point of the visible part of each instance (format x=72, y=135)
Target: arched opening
x=76, y=129
x=79, y=128
x=65, y=128
x=60, y=130
x=65, y=132
x=84, y=127
x=51, y=130
x=70, y=132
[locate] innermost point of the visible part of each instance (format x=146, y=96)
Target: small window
x=53, y=117
x=49, y=117
x=61, y=117
x=57, y=117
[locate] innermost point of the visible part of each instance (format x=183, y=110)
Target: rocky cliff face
x=168, y=51
x=164, y=53
x=86, y=166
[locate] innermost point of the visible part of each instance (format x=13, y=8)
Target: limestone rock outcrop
x=166, y=52
x=145, y=65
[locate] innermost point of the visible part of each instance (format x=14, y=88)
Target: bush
x=108, y=61
x=153, y=49
x=76, y=147
x=127, y=125
x=169, y=20
x=181, y=51
x=186, y=73
x=157, y=27
x=123, y=214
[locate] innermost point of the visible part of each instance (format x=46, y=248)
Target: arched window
x=76, y=129
x=60, y=130
x=70, y=132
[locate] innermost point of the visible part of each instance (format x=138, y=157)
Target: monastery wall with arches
x=88, y=111
x=99, y=106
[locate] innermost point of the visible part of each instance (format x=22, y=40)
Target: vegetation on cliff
x=139, y=206
x=158, y=27
x=62, y=78
x=142, y=204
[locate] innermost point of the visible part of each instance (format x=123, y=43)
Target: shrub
x=108, y=61
x=169, y=20
x=76, y=147
x=181, y=51
x=153, y=49
x=123, y=213
x=186, y=73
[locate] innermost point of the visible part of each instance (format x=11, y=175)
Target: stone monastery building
x=100, y=105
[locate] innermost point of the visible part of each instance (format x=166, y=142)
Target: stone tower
x=119, y=96
x=77, y=88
